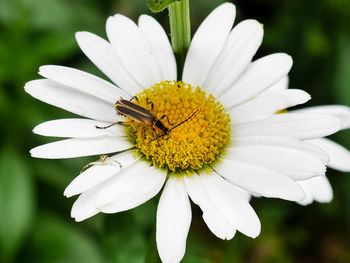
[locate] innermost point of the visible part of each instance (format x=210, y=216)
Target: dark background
x=35, y=223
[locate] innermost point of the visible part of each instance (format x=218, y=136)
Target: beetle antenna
x=177, y=125
x=160, y=136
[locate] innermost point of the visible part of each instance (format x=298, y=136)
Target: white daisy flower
x=230, y=144
x=318, y=188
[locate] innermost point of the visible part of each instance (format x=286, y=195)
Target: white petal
x=230, y=201
x=339, y=157
x=71, y=148
x=173, y=221
x=245, y=194
x=340, y=111
x=160, y=45
x=83, y=82
x=213, y=217
x=100, y=173
x=102, y=54
x=71, y=100
x=296, y=125
x=283, y=142
x=78, y=128
x=321, y=189
x=207, y=44
x=317, y=188
x=280, y=85
x=132, y=186
x=82, y=208
x=263, y=107
x=132, y=191
x=133, y=50
x=259, y=76
x=240, y=47
x=294, y=163
x=260, y=180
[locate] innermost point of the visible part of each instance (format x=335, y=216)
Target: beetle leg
x=118, y=122
x=134, y=98
x=150, y=102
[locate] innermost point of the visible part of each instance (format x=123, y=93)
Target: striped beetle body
x=142, y=115
x=139, y=114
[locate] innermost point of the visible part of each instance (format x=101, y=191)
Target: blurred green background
x=35, y=223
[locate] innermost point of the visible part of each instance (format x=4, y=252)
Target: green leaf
x=16, y=202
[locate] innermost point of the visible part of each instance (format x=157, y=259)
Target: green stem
x=159, y=5
x=180, y=31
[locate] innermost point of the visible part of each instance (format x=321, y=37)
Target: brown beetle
x=142, y=115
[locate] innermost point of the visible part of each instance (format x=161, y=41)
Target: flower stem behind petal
x=180, y=30
x=159, y=5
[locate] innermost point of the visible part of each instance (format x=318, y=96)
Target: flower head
x=221, y=140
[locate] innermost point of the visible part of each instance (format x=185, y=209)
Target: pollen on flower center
x=193, y=144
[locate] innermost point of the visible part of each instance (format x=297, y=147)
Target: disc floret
x=193, y=144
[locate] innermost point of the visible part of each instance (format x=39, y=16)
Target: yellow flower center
x=191, y=145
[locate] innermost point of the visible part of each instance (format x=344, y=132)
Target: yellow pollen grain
x=193, y=144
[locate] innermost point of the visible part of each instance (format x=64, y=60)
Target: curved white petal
x=282, y=142
x=339, y=157
x=129, y=188
x=259, y=76
x=82, y=208
x=173, y=221
x=340, y=111
x=317, y=188
x=280, y=85
x=231, y=202
x=71, y=148
x=132, y=192
x=160, y=45
x=207, y=44
x=240, y=47
x=102, y=54
x=100, y=172
x=213, y=217
x=297, y=164
x=263, y=107
x=246, y=194
x=133, y=50
x=84, y=82
x=78, y=128
x=71, y=100
x=260, y=180
x=296, y=125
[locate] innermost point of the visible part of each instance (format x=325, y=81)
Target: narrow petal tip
x=227, y=5
x=256, y=232
x=34, y=153
x=80, y=34
x=299, y=195
x=67, y=194
x=27, y=87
